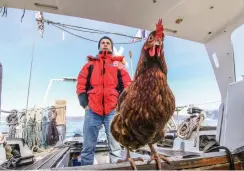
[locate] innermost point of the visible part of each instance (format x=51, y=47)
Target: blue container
x=75, y=162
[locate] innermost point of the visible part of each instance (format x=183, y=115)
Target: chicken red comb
x=159, y=29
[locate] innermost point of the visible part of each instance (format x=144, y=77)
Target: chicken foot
x=157, y=157
x=131, y=160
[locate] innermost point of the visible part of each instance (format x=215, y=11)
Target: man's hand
x=87, y=107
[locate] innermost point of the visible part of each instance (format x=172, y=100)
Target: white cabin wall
x=238, y=41
x=231, y=107
x=221, y=45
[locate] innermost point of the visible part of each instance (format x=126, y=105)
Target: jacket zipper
x=103, y=72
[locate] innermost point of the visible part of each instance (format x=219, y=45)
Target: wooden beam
x=208, y=160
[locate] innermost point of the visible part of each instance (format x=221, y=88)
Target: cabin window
x=237, y=38
x=216, y=61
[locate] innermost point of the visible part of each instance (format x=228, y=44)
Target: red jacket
x=107, y=81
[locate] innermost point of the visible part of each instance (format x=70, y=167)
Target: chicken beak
x=156, y=49
x=157, y=43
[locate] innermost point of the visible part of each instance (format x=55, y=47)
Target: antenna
x=130, y=53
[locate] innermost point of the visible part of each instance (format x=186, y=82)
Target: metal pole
x=47, y=91
x=56, y=80
x=130, y=53
x=28, y=93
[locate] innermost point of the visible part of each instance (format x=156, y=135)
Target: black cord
x=86, y=31
x=85, y=28
x=74, y=34
x=5, y=12
x=23, y=15
x=229, y=155
x=55, y=25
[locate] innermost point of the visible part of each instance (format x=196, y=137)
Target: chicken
x=147, y=104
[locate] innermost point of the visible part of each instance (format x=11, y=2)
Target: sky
x=190, y=74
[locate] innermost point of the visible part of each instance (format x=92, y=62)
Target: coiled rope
x=12, y=121
x=187, y=127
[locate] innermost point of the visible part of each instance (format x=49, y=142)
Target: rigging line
x=207, y=103
x=88, y=38
x=98, y=32
x=105, y=32
x=32, y=57
x=23, y=15
x=74, y=34
x=188, y=105
x=4, y=11
x=86, y=31
x=28, y=94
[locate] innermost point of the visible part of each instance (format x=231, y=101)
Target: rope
x=12, y=121
x=35, y=134
x=23, y=120
x=30, y=74
x=52, y=131
x=64, y=26
x=32, y=133
x=78, y=28
x=187, y=127
x=5, y=11
x=23, y=15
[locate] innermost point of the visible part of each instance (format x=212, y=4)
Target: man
x=98, y=87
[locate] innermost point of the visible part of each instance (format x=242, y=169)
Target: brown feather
x=146, y=105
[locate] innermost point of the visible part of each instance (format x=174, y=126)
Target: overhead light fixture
x=52, y=7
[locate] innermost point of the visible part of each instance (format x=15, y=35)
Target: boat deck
x=207, y=161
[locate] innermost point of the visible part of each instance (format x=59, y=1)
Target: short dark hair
x=106, y=37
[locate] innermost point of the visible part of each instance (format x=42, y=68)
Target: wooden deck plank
x=208, y=160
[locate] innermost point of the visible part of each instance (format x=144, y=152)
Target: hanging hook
x=23, y=15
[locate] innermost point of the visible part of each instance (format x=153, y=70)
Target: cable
x=189, y=105
x=59, y=26
x=30, y=75
x=88, y=38
x=74, y=34
x=228, y=153
x=94, y=30
x=23, y=15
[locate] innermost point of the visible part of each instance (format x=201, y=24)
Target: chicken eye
x=150, y=38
